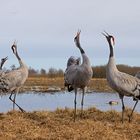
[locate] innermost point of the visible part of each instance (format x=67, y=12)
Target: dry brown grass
x=42, y=83
x=59, y=125
x=99, y=85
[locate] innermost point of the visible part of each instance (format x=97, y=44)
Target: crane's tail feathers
x=70, y=88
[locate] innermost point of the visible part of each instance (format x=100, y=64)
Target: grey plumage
x=78, y=75
x=123, y=83
x=138, y=74
x=73, y=61
x=12, y=81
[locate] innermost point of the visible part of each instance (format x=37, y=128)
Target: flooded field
x=50, y=102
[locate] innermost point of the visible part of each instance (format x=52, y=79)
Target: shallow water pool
x=48, y=101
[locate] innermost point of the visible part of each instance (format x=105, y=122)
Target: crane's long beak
x=6, y=58
x=105, y=34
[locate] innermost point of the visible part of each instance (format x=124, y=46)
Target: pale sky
x=45, y=30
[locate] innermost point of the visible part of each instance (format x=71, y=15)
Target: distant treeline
x=98, y=71
x=51, y=73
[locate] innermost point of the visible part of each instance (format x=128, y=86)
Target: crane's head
x=3, y=60
x=109, y=38
x=77, y=37
x=14, y=48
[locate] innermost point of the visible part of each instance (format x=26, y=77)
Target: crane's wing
x=127, y=84
x=70, y=71
x=11, y=80
x=70, y=74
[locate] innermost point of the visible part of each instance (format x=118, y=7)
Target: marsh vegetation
x=59, y=124
x=42, y=84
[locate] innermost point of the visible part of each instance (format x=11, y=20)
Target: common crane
x=78, y=75
x=123, y=83
x=12, y=81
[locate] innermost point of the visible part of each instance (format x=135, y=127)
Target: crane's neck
x=111, y=62
x=21, y=63
x=1, y=65
x=111, y=50
x=84, y=56
x=85, y=60
x=80, y=48
x=19, y=59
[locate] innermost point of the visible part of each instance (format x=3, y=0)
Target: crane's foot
x=70, y=88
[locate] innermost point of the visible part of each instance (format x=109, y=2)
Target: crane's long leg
x=123, y=108
x=82, y=102
x=14, y=101
x=10, y=97
x=130, y=116
x=75, y=104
